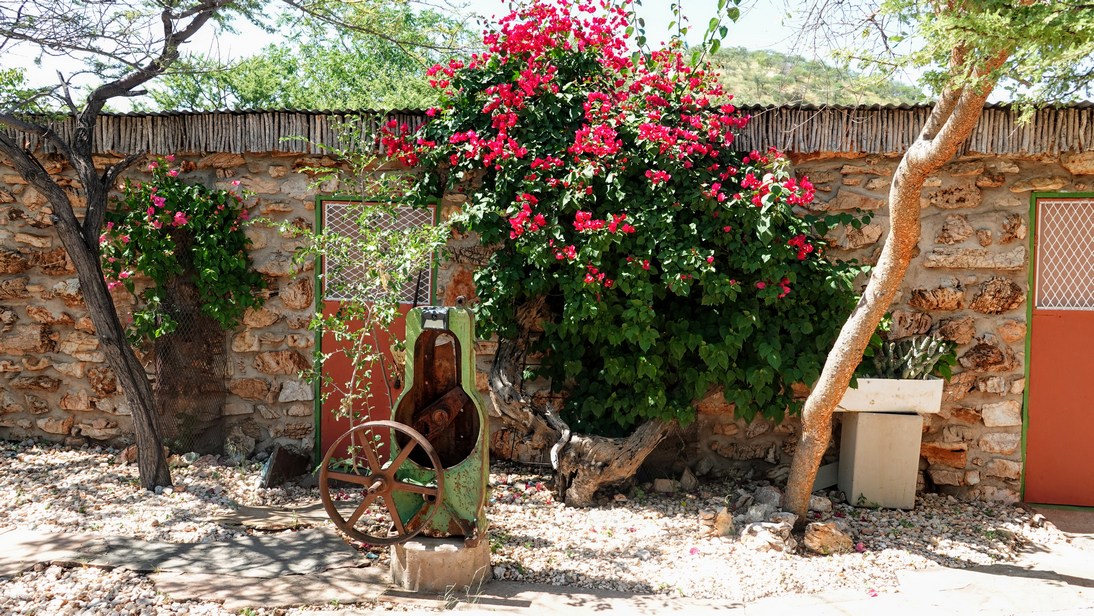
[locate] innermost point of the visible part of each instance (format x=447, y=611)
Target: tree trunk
x=589, y=463
x=151, y=461
x=951, y=121
x=583, y=464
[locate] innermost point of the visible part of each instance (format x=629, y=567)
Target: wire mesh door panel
x=1058, y=416
x=346, y=275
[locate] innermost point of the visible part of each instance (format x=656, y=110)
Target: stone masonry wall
x=969, y=283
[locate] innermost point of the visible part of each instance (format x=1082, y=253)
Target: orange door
x=385, y=380
x=1059, y=463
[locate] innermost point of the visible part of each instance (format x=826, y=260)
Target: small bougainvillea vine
x=167, y=228
x=609, y=183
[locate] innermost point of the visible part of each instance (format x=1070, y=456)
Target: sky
x=764, y=24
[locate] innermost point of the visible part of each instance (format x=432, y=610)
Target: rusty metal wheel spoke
x=402, y=486
x=361, y=480
x=370, y=453
x=360, y=510
x=400, y=528
x=404, y=453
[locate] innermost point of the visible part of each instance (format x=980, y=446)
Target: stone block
x=1078, y=163
x=99, y=429
x=1040, y=184
x=55, y=425
x=941, y=298
x=853, y=239
x=972, y=477
x=909, y=323
x=76, y=343
x=221, y=160
x=1012, y=331
x=1014, y=229
x=1003, y=443
x=440, y=566
x=964, y=168
x=33, y=338
x=991, y=180
x=275, y=264
x=13, y=262
x=998, y=295
x=868, y=167
x=300, y=410
x=961, y=331
x=245, y=342
x=987, y=357
x=956, y=229
x=298, y=294
x=975, y=258
x=853, y=199
x=35, y=383
x=947, y=477
x=281, y=362
x=7, y=319
x=826, y=538
x=295, y=391
x=13, y=288
x=953, y=454
x=292, y=430
x=1007, y=413
x=960, y=196
x=250, y=389
x=1004, y=469
x=77, y=401
x=46, y=316
x=993, y=385
x=259, y=317
x=37, y=241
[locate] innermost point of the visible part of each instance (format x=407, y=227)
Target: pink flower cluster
x=525, y=220
x=802, y=244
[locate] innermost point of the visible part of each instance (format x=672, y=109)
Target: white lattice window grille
x=345, y=275
x=1064, y=276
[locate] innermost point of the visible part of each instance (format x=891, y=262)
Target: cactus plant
x=916, y=357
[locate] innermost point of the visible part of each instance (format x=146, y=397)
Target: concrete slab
x=275, y=518
x=258, y=556
x=337, y=586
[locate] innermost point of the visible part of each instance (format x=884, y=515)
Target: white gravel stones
x=644, y=542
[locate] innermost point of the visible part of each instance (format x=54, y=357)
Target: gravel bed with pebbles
x=639, y=541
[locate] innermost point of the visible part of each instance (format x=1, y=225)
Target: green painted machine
x=429, y=464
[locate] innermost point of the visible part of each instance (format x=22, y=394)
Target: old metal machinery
x=429, y=466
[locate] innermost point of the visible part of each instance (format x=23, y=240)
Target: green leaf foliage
x=608, y=184
x=168, y=228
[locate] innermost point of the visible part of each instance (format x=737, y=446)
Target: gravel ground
x=636, y=541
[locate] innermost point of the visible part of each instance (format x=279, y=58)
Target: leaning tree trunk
x=949, y=125
x=82, y=249
x=583, y=463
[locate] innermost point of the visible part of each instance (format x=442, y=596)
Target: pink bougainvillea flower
x=173, y=173
x=180, y=219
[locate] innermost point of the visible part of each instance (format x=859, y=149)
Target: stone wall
x=969, y=283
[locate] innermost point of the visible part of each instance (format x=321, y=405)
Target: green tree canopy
x=318, y=67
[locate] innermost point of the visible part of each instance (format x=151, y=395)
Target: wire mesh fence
x=191, y=366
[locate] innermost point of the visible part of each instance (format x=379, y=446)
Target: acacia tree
x=123, y=48
x=1039, y=50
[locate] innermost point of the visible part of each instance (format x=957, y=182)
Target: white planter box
x=880, y=439
x=894, y=395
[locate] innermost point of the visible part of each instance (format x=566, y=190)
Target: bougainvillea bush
x=167, y=227
x=671, y=263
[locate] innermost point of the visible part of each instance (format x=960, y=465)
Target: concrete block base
x=879, y=458
x=441, y=566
